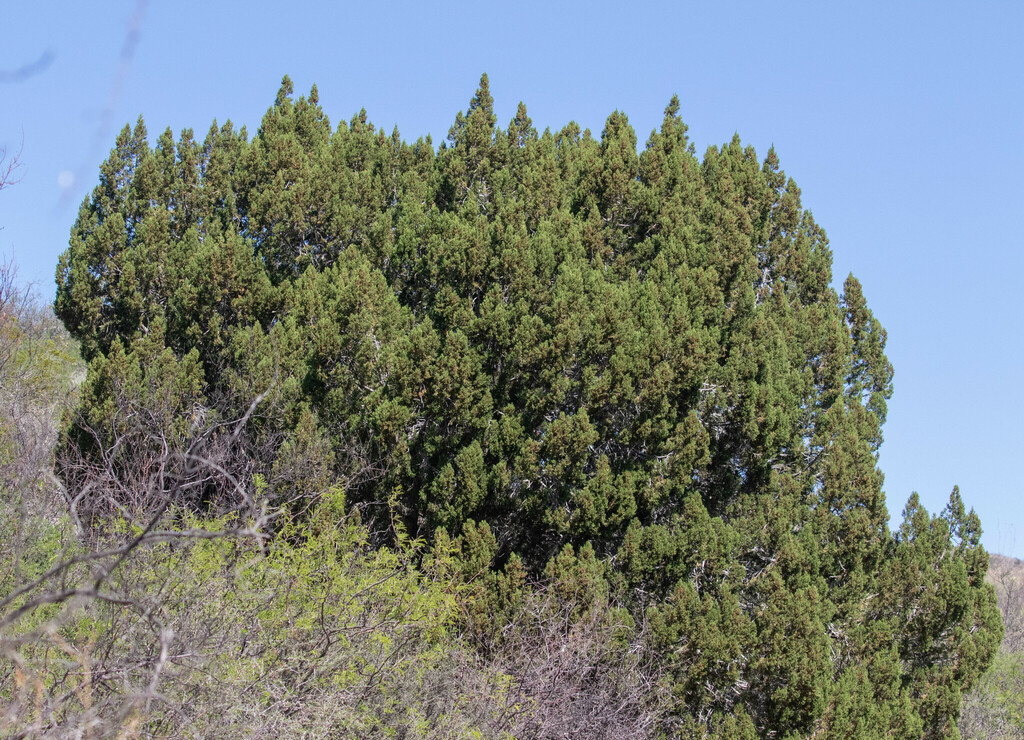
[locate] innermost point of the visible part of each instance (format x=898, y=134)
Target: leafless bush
x=39, y=368
x=83, y=644
x=1007, y=575
x=138, y=469
x=85, y=636
x=995, y=707
x=576, y=676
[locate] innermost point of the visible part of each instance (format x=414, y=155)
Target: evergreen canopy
x=571, y=357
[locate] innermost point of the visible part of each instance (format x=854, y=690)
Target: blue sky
x=903, y=124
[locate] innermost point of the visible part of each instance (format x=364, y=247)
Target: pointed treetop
x=124, y=136
x=140, y=129
x=673, y=128
x=483, y=98
x=360, y=122
x=285, y=92
x=618, y=132
x=520, y=128
x=672, y=110
x=481, y=110
x=314, y=95
x=475, y=129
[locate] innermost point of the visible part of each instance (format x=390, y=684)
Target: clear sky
x=903, y=124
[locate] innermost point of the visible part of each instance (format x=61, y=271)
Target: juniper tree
x=629, y=365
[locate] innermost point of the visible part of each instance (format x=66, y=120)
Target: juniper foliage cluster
x=627, y=374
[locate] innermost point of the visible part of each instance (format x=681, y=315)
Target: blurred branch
x=31, y=69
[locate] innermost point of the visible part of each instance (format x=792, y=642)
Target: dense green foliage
x=616, y=374
x=200, y=627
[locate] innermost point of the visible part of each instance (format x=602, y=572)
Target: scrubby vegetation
x=530, y=435
x=995, y=708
